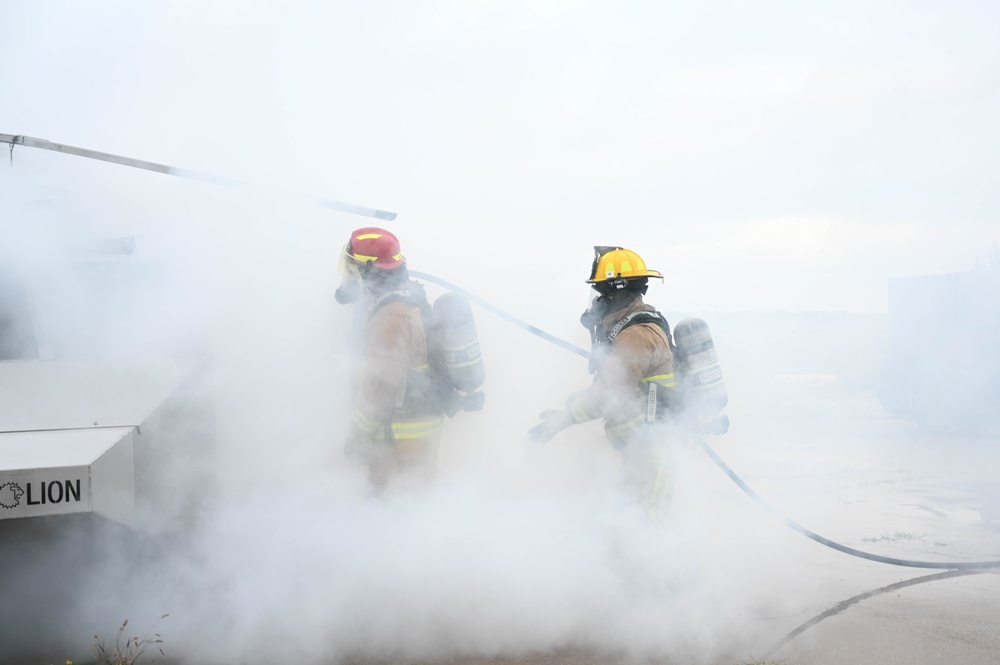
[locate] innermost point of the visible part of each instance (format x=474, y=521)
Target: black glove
x=552, y=423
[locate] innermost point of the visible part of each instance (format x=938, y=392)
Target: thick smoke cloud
x=511, y=139
x=515, y=548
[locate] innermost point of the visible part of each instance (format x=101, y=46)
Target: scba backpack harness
x=449, y=381
x=697, y=374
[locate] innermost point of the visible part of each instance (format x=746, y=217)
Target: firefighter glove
x=552, y=423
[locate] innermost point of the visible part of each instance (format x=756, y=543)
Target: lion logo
x=10, y=495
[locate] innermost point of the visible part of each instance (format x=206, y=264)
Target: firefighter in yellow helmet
x=634, y=389
x=397, y=421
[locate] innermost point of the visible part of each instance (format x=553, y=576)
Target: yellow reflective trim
x=665, y=380
x=657, y=377
x=626, y=427
x=368, y=236
x=417, y=429
x=434, y=421
x=578, y=413
x=364, y=423
x=405, y=429
x=363, y=258
x=657, y=503
x=409, y=436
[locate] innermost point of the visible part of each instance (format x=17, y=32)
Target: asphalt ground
x=889, y=488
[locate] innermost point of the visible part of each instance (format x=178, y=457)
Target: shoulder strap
x=600, y=346
x=634, y=318
x=413, y=293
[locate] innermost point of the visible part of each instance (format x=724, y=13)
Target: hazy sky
x=777, y=155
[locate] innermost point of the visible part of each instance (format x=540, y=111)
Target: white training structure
x=125, y=441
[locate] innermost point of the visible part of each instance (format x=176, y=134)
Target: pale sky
x=764, y=156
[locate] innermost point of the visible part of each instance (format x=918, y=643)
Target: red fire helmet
x=376, y=245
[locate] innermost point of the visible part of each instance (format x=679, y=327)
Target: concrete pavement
x=894, y=490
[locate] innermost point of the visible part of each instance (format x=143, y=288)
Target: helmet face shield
x=594, y=295
x=351, y=283
x=348, y=267
x=597, y=305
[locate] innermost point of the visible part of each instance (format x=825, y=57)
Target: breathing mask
x=597, y=307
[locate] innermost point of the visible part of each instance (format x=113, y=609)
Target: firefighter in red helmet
x=635, y=388
x=396, y=425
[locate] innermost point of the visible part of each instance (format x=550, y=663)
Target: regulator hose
x=963, y=565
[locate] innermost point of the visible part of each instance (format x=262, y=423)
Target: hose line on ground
x=844, y=604
x=964, y=565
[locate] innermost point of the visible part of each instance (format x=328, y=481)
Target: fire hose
x=17, y=139
x=700, y=442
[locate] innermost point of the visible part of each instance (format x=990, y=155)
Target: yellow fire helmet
x=617, y=263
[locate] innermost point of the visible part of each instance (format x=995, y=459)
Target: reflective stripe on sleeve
x=577, y=412
x=665, y=380
x=622, y=430
x=364, y=423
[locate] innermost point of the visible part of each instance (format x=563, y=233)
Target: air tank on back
x=460, y=352
x=704, y=387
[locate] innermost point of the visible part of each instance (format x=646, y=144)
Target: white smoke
x=515, y=548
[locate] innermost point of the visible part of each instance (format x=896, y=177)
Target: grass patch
x=129, y=651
